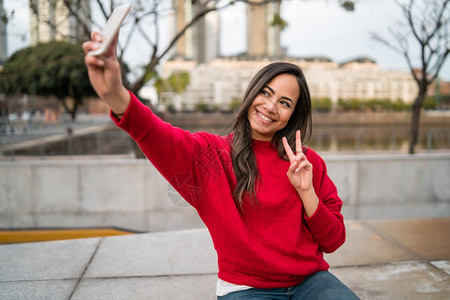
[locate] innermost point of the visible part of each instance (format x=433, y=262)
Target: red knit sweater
x=268, y=245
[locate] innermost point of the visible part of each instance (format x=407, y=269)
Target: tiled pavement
x=382, y=259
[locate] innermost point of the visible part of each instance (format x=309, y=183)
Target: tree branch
x=438, y=22
x=76, y=15
x=438, y=65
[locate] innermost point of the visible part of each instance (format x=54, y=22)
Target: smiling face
x=272, y=108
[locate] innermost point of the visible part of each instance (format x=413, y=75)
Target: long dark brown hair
x=243, y=157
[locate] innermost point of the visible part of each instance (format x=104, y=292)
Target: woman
x=269, y=215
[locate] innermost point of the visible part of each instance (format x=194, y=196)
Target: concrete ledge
x=131, y=194
x=382, y=259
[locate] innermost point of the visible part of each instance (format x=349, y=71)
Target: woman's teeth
x=265, y=118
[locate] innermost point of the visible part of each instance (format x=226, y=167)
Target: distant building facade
x=66, y=25
x=200, y=42
x=219, y=81
x=225, y=79
x=263, y=37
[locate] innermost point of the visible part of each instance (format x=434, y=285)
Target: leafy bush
x=429, y=103
x=399, y=105
x=171, y=108
x=235, y=104
x=351, y=104
x=201, y=106
x=373, y=105
x=321, y=104
x=378, y=104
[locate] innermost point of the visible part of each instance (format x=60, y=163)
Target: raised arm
x=105, y=75
x=176, y=153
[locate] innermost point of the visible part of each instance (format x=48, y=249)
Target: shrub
x=234, y=104
x=351, y=104
x=170, y=108
x=399, y=105
x=378, y=104
x=342, y=104
x=321, y=104
x=372, y=104
x=429, y=103
x=201, y=106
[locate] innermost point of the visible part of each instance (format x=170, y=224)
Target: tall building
x=200, y=42
x=219, y=81
x=3, y=45
x=52, y=20
x=263, y=39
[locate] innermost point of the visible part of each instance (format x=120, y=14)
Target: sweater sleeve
x=327, y=223
x=173, y=151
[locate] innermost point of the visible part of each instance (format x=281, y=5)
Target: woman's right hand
x=105, y=75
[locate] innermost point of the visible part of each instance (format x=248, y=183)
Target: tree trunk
x=141, y=81
x=73, y=111
x=415, y=119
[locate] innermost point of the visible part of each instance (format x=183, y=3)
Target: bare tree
x=427, y=28
x=147, y=12
x=53, y=12
x=143, y=12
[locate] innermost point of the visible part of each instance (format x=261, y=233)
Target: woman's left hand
x=300, y=170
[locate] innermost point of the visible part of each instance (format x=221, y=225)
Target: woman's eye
x=285, y=103
x=264, y=93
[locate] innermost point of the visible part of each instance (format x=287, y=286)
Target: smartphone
x=111, y=28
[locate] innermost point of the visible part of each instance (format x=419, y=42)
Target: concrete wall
x=392, y=186
x=131, y=194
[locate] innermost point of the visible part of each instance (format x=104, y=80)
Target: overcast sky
x=316, y=28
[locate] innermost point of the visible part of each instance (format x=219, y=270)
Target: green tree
x=49, y=69
x=177, y=83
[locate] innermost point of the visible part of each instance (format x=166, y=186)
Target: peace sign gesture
x=300, y=170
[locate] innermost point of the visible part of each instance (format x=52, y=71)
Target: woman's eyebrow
x=283, y=97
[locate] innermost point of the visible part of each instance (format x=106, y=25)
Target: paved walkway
x=391, y=259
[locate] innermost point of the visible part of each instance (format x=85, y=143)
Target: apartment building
x=223, y=80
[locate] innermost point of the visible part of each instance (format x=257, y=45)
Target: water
x=367, y=140
x=108, y=142
x=324, y=139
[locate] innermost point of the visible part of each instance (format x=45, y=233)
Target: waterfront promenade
x=381, y=259
x=396, y=209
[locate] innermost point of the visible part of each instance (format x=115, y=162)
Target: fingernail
x=97, y=38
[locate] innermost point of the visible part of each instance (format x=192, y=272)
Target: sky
x=316, y=28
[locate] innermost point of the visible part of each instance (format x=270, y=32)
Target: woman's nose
x=270, y=106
